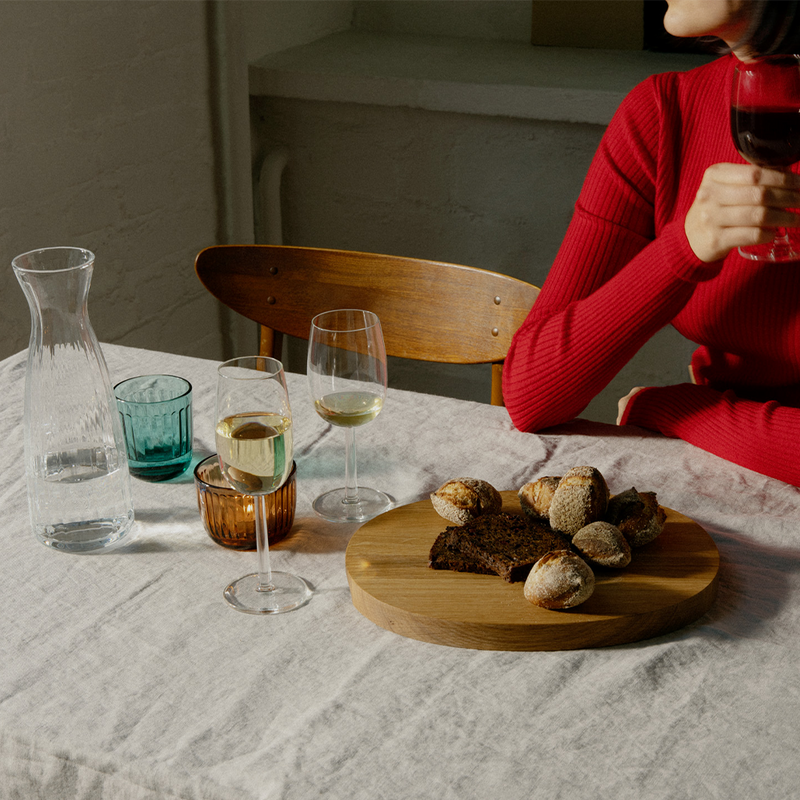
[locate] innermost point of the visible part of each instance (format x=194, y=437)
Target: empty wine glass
x=347, y=382
x=765, y=125
x=254, y=446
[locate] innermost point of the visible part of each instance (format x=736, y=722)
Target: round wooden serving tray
x=669, y=583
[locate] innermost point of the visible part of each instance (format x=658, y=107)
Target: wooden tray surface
x=669, y=583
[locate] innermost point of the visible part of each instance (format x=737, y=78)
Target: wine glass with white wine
x=347, y=382
x=255, y=451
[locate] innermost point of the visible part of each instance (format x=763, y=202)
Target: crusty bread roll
x=535, y=497
x=603, y=543
x=581, y=498
x=559, y=579
x=638, y=515
x=463, y=499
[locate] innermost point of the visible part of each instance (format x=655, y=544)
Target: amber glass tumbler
x=229, y=517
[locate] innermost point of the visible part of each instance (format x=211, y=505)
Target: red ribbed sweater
x=625, y=270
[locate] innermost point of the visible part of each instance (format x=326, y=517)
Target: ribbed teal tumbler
x=156, y=412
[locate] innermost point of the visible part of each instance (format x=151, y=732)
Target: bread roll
x=535, y=497
x=638, y=515
x=463, y=499
x=559, y=579
x=581, y=498
x=603, y=543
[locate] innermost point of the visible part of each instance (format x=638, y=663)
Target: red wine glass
x=765, y=125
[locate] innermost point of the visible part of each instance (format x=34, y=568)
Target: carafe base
x=89, y=536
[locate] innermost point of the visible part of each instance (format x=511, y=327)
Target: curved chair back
x=429, y=310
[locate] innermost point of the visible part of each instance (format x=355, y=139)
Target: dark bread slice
x=447, y=556
x=505, y=544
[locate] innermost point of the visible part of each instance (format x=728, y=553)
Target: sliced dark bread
x=507, y=545
x=448, y=556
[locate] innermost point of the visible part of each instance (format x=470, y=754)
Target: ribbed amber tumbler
x=229, y=517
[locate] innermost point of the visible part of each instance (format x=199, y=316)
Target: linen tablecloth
x=125, y=675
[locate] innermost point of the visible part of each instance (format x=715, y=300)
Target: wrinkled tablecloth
x=125, y=675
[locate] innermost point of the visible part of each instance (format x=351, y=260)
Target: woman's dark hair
x=774, y=27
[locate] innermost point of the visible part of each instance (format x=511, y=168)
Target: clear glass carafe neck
x=58, y=297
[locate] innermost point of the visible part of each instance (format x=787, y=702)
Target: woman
x=654, y=240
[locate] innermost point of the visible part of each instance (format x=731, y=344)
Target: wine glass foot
x=289, y=592
x=775, y=253
x=332, y=506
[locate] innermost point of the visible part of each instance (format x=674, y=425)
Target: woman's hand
x=622, y=404
x=739, y=205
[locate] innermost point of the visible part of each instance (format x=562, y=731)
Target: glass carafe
x=78, y=483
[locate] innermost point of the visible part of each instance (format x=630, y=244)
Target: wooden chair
x=429, y=310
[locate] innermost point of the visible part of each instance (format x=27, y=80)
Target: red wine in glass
x=765, y=125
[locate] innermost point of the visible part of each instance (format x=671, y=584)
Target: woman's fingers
x=752, y=196
x=622, y=403
x=739, y=205
x=751, y=175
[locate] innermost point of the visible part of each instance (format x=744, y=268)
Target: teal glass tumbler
x=156, y=412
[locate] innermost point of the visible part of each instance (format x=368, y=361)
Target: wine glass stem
x=262, y=545
x=350, y=471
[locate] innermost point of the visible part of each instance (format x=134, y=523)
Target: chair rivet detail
x=497, y=301
x=495, y=332
x=273, y=270
x=271, y=301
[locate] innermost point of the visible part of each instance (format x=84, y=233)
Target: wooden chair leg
x=497, y=385
x=270, y=343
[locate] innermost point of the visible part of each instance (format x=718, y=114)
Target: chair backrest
x=429, y=310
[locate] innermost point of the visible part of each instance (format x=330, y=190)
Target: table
x=125, y=675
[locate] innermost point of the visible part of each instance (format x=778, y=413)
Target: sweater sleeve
x=614, y=282
x=761, y=436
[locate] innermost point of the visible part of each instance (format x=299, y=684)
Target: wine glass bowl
x=255, y=452
x=347, y=381
x=765, y=126
x=349, y=409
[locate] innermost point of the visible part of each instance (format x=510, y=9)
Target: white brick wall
x=105, y=143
